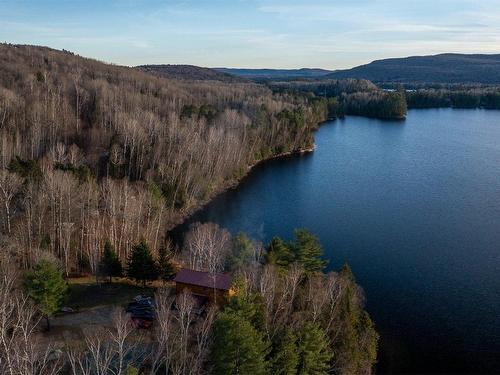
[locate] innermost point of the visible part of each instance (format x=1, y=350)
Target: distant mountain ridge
x=447, y=68
x=444, y=68
x=190, y=72
x=275, y=73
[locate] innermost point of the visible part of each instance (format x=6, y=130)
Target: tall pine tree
x=314, y=351
x=285, y=356
x=110, y=264
x=356, y=343
x=308, y=251
x=141, y=265
x=238, y=348
x=279, y=253
x=46, y=286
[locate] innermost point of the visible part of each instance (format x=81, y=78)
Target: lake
x=414, y=208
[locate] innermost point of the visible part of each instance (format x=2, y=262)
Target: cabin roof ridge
x=218, y=280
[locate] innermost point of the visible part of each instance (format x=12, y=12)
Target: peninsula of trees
x=349, y=97
x=446, y=80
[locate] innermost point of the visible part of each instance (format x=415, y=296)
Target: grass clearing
x=86, y=293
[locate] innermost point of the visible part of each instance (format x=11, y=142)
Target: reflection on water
x=414, y=208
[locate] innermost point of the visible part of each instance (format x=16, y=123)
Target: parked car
x=142, y=311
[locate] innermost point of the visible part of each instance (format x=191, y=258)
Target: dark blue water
x=414, y=208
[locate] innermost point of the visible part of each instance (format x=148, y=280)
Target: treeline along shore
x=93, y=152
x=487, y=97
x=391, y=100
x=349, y=97
x=97, y=161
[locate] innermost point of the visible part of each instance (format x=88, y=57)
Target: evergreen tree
x=368, y=342
x=110, y=264
x=356, y=343
x=46, y=286
x=249, y=306
x=279, y=253
x=166, y=269
x=242, y=251
x=285, y=356
x=314, y=351
x=83, y=263
x=347, y=343
x=308, y=251
x=141, y=265
x=238, y=348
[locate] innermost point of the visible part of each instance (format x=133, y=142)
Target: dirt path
x=94, y=316
x=69, y=329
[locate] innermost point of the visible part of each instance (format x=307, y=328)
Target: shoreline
x=181, y=217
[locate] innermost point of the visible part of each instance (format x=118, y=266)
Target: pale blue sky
x=252, y=33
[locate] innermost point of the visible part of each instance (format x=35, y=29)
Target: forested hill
x=444, y=68
x=191, y=72
x=96, y=162
x=349, y=97
x=91, y=152
x=267, y=74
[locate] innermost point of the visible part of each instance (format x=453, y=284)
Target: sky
x=329, y=34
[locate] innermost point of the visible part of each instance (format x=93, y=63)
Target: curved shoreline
x=181, y=216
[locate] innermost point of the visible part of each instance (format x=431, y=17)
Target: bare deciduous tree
x=164, y=346
x=206, y=247
x=133, y=132
x=107, y=351
x=21, y=352
x=184, y=318
x=181, y=338
x=202, y=333
x=10, y=184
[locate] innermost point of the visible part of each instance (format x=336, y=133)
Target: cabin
x=204, y=285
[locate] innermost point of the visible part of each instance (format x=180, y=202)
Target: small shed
x=213, y=286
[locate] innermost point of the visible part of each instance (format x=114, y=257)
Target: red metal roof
x=221, y=281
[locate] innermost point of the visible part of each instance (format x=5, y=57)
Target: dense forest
x=90, y=151
x=263, y=75
x=191, y=73
x=446, y=80
x=351, y=97
x=456, y=97
x=363, y=98
x=284, y=316
x=97, y=162
x=289, y=316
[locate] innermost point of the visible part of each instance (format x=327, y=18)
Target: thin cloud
x=273, y=33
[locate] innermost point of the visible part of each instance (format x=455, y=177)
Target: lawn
x=86, y=293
